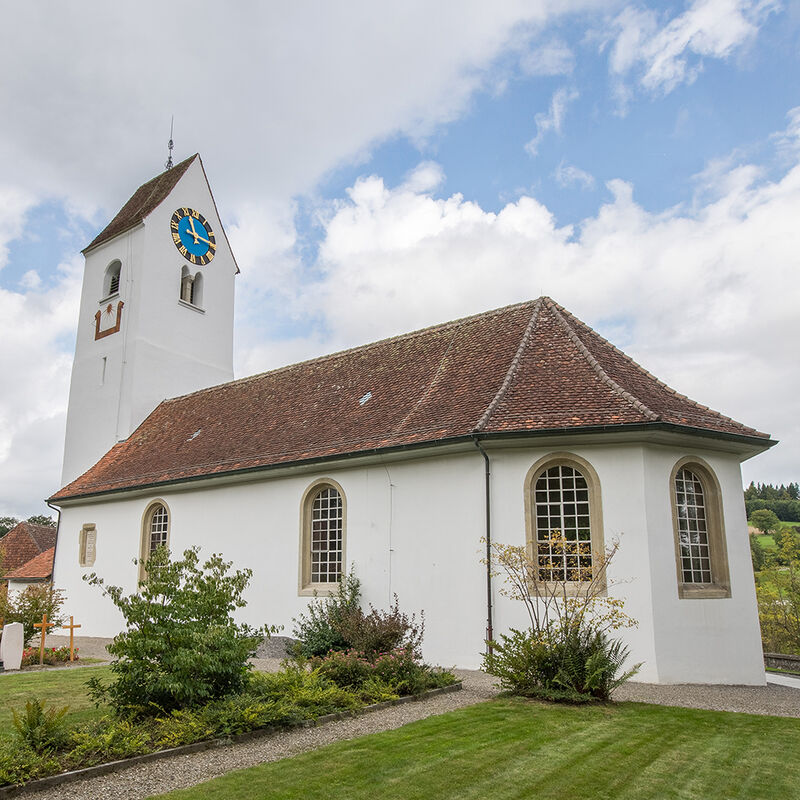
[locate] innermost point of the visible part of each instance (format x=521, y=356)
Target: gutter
x=488, y=537
x=55, y=546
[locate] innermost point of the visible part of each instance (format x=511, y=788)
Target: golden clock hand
x=197, y=238
x=194, y=232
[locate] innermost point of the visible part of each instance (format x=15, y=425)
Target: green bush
x=381, y=631
x=40, y=728
x=348, y=669
x=30, y=605
x=319, y=628
x=182, y=647
x=577, y=664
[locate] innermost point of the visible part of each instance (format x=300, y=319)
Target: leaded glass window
x=695, y=555
x=563, y=527
x=327, y=526
x=159, y=528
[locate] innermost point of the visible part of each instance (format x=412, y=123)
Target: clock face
x=193, y=236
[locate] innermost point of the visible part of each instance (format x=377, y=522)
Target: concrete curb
x=117, y=766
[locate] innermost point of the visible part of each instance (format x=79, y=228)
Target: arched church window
x=111, y=278
x=700, y=551
x=564, y=520
x=323, y=520
x=155, y=533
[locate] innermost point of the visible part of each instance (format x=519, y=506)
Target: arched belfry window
x=155, y=532
x=322, y=537
x=191, y=287
x=111, y=278
x=700, y=550
x=564, y=519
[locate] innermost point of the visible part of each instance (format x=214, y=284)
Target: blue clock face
x=193, y=236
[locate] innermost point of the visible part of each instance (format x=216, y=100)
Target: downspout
x=488, y=537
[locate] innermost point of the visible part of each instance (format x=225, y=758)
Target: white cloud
x=708, y=296
x=664, y=56
x=552, y=120
x=554, y=57
x=569, y=174
x=788, y=140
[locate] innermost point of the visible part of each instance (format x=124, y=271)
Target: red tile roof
x=144, y=200
x=39, y=568
x=24, y=542
x=524, y=368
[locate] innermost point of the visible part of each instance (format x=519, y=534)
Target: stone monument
x=11, y=645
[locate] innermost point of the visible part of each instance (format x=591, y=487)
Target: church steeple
x=156, y=315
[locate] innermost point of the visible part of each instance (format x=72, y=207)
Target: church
x=396, y=458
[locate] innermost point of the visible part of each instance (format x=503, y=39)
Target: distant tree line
x=783, y=501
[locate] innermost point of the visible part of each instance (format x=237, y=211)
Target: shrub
x=577, y=665
x=319, y=628
x=757, y=554
x=40, y=728
x=348, y=669
x=30, y=605
x=380, y=631
x=182, y=647
x=566, y=654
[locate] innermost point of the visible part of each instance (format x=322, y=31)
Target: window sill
x=318, y=590
x=688, y=591
x=190, y=305
x=104, y=300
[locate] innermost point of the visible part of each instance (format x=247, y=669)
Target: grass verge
x=509, y=749
x=60, y=688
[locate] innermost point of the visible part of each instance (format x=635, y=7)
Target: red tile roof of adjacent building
x=143, y=201
x=39, y=568
x=24, y=542
x=530, y=367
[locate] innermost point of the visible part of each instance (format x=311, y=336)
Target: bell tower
x=156, y=313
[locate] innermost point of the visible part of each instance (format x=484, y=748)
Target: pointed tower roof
x=523, y=370
x=144, y=200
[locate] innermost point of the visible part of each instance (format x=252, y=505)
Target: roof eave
x=745, y=446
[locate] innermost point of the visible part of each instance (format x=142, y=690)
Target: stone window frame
x=146, y=532
x=305, y=586
x=595, y=511
x=83, y=537
x=720, y=586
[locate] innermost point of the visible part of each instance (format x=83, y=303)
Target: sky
x=380, y=167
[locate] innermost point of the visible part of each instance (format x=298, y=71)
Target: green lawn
x=512, y=749
x=60, y=688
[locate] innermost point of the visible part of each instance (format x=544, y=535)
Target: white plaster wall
x=414, y=528
x=708, y=640
x=164, y=347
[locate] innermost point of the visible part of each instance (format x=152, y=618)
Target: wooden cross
x=71, y=628
x=44, y=625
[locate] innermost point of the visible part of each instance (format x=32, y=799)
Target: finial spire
x=170, y=145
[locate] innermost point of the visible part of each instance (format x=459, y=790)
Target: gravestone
x=11, y=645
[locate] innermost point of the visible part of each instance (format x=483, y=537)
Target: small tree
x=182, y=646
x=765, y=520
x=567, y=653
x=6, y=524
x=778, y=591
x=757, y=554
x=30, y=605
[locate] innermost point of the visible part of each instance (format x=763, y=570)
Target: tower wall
x=164, y=347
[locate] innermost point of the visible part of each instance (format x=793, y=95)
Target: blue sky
x=382, y=168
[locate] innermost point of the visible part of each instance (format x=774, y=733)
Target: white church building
x=397, y=457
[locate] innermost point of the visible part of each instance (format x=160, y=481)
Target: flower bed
x=52, y=656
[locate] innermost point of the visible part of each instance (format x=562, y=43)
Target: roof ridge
x=644, y=371
x=514, y=366
x=595, y=364
x=356, y=348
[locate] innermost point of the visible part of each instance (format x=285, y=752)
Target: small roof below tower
x=144, y=200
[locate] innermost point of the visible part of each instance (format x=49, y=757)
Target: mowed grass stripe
x=513, y=749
